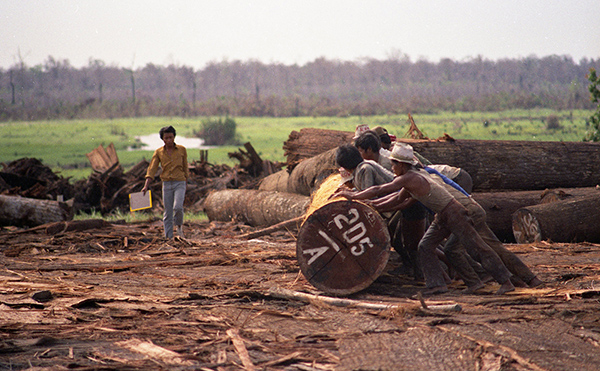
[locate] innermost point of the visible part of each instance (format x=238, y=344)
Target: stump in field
x=562, y=221
x=343, y=247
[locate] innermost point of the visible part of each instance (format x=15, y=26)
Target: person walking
x=173, y=160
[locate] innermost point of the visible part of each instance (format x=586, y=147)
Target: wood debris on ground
x=121, y=297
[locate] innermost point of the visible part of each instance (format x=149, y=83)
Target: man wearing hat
x=411, y=185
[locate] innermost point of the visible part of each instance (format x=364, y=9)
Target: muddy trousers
x=173, y=196
x=454, y=220
x=510, y=260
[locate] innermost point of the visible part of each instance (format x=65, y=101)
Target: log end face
x=343, y=247
x=526, y=227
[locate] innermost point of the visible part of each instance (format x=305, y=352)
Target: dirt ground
x=120, y=297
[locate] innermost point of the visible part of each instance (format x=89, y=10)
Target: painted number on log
x=342, y=247
x=355, y=233
x=526, y=228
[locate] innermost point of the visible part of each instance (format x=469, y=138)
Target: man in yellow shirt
x=175, y=172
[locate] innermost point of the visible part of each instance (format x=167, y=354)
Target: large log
x=562, y=221
x=343, y=247
x=275, y=182
x=30, y=212
x=493, y=164
x=305, y=177
x=310, y=173
x=518, y=165
x=309, y=142
x=500, y=206
x=253, y=207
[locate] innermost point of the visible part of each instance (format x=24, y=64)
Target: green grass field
x=63, y=145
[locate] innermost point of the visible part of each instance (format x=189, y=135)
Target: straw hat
x=403, y=152
x=359, y=130
x=346, y=175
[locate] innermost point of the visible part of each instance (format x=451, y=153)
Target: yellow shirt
x=174, y=167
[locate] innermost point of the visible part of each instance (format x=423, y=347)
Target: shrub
x=594, y=88
x=552, y=122
x=217, y=132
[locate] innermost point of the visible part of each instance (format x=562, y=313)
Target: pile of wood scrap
x=30, y=194
x=107, y=189
x=121, y=297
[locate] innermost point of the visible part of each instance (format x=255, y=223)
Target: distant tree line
x=55, y=89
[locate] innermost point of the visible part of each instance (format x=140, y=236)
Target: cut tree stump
x=253, y=207
x=103, y=159
x=562, y=221
x=31, y=212
x=343, y=247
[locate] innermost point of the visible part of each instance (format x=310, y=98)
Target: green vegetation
x=217, y=132
x=138, y=216
x=594, y=120
x=63, y=144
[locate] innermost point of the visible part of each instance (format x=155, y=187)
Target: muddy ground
x=122, y=298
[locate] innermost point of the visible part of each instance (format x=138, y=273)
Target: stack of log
x=552, y=181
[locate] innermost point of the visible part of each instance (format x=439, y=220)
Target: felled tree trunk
x=500, y=206
x=308, y=174
x=310, y=142
x=305, y=177
x=275, y=182
x=562, y=221
x=518, y=165
x=30, y=212
x=343, y=247
x=493, y=164
x=256, y=208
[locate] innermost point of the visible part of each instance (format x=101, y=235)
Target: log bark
x=563, y=221
x=518, y=165
x=275, y=182
x=305, y=177
x=308, y=174
x=253, y=207
x=310, y=142
x=500, y=206
x=30, y=212
x=493, y=164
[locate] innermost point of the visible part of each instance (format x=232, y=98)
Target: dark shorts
x=415, y=212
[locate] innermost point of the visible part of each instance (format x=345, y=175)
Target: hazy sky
x=192, y=33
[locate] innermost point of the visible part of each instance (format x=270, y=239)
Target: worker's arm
x=374, y=191
x=392, y=202
x=146, y=184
